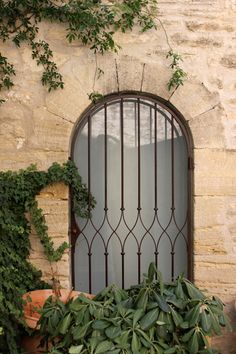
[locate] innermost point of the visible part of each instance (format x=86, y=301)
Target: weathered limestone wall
x=36, y=126
x=54, y=202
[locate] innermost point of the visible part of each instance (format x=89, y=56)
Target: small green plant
x=6, y=73
x=18, y=191
x=95, y=96
x=178, y=75
x=150, y=318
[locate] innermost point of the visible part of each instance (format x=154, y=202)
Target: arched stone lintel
x=125, y=73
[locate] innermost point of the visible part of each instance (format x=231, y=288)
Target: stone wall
x=36, y=126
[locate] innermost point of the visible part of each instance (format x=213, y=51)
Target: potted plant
x=152, y=317
x=34, y=300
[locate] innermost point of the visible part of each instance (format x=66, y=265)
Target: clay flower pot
x=38, y=299
x=34, y=301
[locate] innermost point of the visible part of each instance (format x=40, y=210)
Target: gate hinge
x=190, y=163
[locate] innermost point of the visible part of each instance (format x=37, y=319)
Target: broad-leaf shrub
x=153, y=317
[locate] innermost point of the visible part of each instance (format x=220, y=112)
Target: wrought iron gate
x=134, y=153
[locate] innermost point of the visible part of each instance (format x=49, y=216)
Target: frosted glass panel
x=133, y=156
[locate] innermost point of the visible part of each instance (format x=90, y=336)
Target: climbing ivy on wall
x=91, y=22
x=19, y=210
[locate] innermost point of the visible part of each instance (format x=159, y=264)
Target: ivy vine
x=17, y=275
x=91, y=22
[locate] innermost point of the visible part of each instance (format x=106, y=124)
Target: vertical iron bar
x=123, y=267
x=90, y=272
x=172, y=189
x=139, y=162
x=139, y=186
x=139, y=264
x=73, y=266
x=89, y=191
x=166, y=129
x=89, y=161
x=156, y=258
x=72, y=236
x=172, y=166
x=135, y=123
x=122, y=151
x=106, y=266
x=105, y=157
x=105, y=188
x=190, y=255
x=155, y=158
x=172, y=264
x=122, y=183
x=155, y=174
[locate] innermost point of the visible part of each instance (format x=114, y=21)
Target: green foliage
x=17, y=275
x=91, y=22
x=43, y=55
x=149, y=318
x=178, y=75
x=6, y=73
x=95, y=96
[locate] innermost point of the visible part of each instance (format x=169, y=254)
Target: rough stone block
x=129, y=73
x=156, y=77
x=70, y=102
x=230, y=130
x=215, y=172
x=208, y=212
x=61, y=270
x=16, y=126
x=193, y=99
x=50, y=132
x=208, y=129
x=210, y=240
x=57, y=190
x=229, y=61
x=107, y=82
x=22, y=159
x=216, y=269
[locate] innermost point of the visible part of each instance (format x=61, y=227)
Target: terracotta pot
x=209, y=340
x=30, y=344
x=38, y=299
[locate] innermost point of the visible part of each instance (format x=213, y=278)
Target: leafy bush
x=153, y=317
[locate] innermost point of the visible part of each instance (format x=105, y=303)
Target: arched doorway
x=134, y=152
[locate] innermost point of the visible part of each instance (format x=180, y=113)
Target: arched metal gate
x=134, y=152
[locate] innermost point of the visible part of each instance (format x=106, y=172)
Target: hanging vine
x=17, y=275
x=91, y=22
